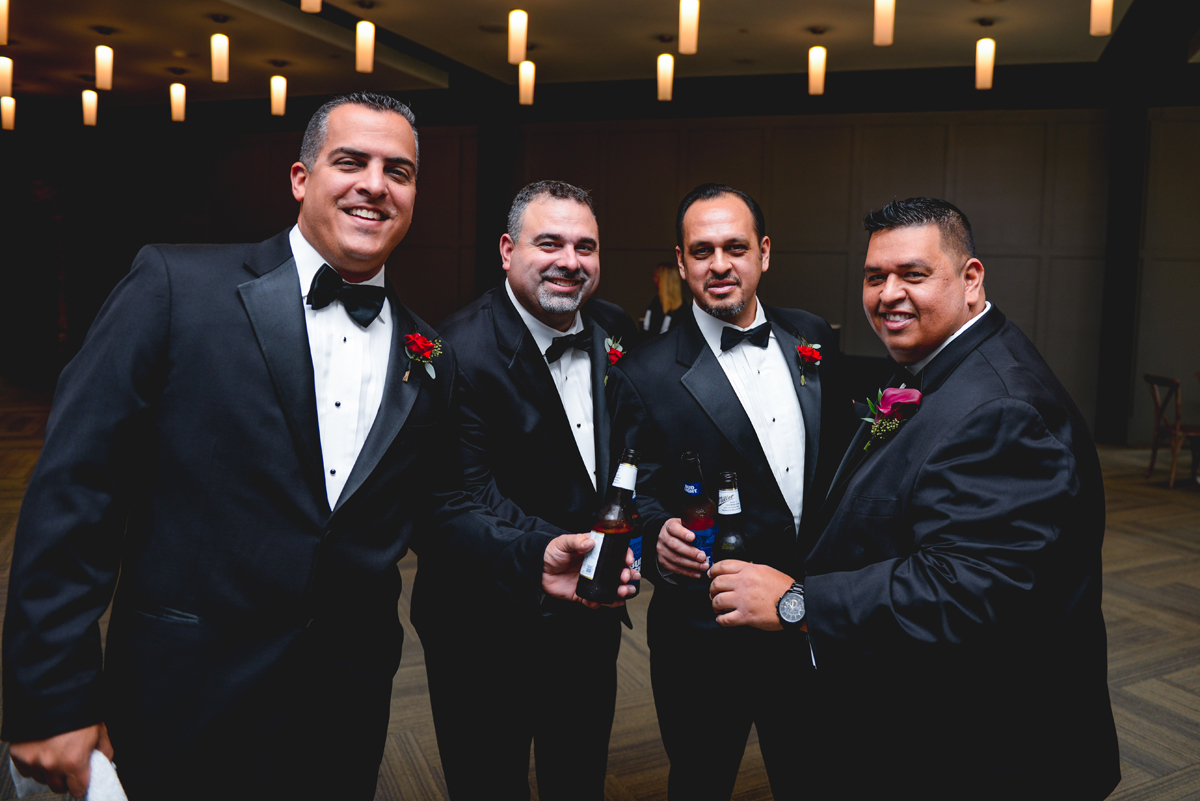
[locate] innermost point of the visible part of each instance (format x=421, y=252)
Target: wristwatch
x=791, y=607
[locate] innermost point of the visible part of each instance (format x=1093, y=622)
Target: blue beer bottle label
x=704, y=541
x=691, y=489
x=635, y=545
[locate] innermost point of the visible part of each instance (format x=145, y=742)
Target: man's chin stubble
x=724, y=312
x=560, y=304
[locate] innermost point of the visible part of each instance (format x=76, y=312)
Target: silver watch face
x=791, y=607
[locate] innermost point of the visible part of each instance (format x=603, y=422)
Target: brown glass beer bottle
x=730, y=542
x=699, y=514
x=600, y=574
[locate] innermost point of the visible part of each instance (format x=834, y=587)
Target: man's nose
x=893, y=290
x=372, y=181
x=569, y=258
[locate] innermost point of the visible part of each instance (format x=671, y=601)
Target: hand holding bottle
x=676, y=552
x=560, y=569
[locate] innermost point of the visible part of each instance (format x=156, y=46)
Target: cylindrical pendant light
x=278, y=95
x=89, y=107
x=8, y=113
x=1101, y=17
x=3, y=22
x=311, y=6
x=985, y=62
x=689, y=26
x=816, y=70
x=885, y=22
x=666, y=76
x=525, y=78
x=364, y=47
x=104, y=67
x=178, y=100
x=220, y=58
x=6, y=66
x=518, y=35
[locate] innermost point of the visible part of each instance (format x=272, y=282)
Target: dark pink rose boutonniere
x=809, y=353
x=424, y=350
x=612, y=346
x=891, y=409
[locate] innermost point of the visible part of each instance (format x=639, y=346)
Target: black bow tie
x=362, y=303
x=755, y=336
x=581, y=340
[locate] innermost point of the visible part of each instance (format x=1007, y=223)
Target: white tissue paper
x=104, y=786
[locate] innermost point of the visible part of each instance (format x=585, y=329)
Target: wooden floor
x=1151, y=605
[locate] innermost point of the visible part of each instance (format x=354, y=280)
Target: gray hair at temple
x=954, y=226
x=318, y=126
x=539, y=189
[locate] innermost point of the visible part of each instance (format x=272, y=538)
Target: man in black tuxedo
x=953, y=598
x=532, y=364
x=730, y=383
x=251, y=437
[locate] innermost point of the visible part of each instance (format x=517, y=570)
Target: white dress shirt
x=349, y=369
x=572, y=375
x=917, y=367
x=763, y=383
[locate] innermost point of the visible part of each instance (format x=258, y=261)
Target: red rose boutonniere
x=809, y=354
x=615, y=352
x=423, y=350
x=892, y=408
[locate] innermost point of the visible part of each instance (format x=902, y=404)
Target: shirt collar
x=917, y=367
x=543, y=334
x=710, y=327
x=309, y=261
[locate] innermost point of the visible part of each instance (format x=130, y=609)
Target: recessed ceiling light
x=103, y=30
x=986, y=22
x=665, y=38
x=177, y=70
x=816, y=30
x=278, y=63
x=220, y=19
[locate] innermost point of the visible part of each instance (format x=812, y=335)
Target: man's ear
x=506, y=248
x=299, y=177
x=679, y=261
x=973, y=280
x=765, y=247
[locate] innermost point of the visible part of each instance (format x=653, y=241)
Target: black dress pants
x=551, y=682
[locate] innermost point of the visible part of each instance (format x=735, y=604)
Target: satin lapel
x=398, y=399
x=600, y=422
x=273, y=305
x=708, y=384
x=808, y=393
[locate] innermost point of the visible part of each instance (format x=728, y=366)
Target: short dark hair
x=711, y=191
x=318, y=126
x=954, y=226
x=558, y=189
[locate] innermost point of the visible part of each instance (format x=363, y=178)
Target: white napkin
x=104, y=786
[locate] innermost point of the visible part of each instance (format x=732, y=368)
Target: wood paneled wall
x=1034, y=185
x=1168, y=329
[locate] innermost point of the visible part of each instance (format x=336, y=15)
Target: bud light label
x=588, y=568
x=691, y=489
x=704, y=541
x=635, y=545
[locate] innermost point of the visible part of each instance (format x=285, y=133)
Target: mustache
x=560, y=272
x=729, y=276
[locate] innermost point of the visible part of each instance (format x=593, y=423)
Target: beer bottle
x=600, y=574
x=730, y=542
x=635, y=544
x=699, y=515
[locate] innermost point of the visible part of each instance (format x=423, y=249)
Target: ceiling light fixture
x=985, y=62
x=8, y=113
x=518, y=35
x=4, y=23
x=178, y=101
x=311, y=6
x=89, y=107
x=689, y=26
x=525, y=77
x=816, y=70
x=364, y=47
x=6, y=67
x=885, y=22
x=104, y=67
x=666, y=76
x=220, y=58
x=1101, y=18
x=278, y=95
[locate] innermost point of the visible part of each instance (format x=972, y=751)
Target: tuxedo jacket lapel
x=808, y=393
x=600, y=422
x=272, y=302
x=398, y=399
x=708, y=384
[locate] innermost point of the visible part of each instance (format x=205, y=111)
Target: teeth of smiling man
x=366, y=214
x=896, y=317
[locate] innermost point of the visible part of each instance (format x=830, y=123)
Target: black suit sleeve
x=633, y=427
x=68, y=543
x=987, y=508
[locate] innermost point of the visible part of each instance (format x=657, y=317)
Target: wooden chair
x=1168, y=432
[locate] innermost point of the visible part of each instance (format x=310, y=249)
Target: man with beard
x=751, y=390
x=533, y=355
